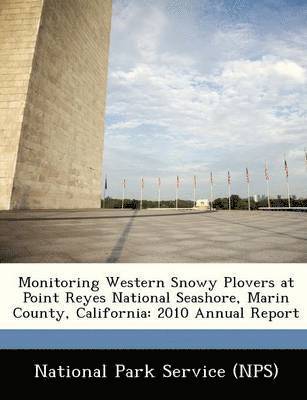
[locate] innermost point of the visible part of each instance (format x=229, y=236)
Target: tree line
x=109, y=202
x=237, y=203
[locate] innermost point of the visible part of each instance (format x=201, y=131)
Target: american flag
x=286, y=168
x=142, y=183
x=178, y=182
x=159, y=182
x=211, y=178
x=106, y=183
x=266, y=171
x=124, y=183
x=247, y=176
x=195, y=181
x=229, y=178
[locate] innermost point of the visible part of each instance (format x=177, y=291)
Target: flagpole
x=211, y=190
x=104, y=197
x=229, y=201
x=287, y=178
x=104, y=191
x=159, y=192
x=267, y=178
x=141, y=203
x=194, y=191
x=268, y=193
x=288, y=190
x=177, y=184
x=123, y=198
x=248, y=189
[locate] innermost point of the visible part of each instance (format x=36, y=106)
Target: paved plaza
x=152, y=236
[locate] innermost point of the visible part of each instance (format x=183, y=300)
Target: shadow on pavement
x=118, y=248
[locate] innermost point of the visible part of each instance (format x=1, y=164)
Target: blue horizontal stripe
x=153, y=339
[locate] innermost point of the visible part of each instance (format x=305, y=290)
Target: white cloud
x=291, y=70
x=170, y=111
x=264, y=71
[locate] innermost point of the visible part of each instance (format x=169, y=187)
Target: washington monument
x=53, y=79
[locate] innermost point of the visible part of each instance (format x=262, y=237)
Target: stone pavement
x=152, y=236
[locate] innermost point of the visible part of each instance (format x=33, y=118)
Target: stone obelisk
x=53, y=80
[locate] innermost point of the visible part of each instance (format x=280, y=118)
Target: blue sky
x=201, y=85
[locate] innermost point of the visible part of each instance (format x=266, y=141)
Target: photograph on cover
x=153, y=131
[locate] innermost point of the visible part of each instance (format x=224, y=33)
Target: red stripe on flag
x=266, y=171
x=286, y=169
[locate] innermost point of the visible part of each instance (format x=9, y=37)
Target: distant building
x=256, y=198
x=203, y=203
